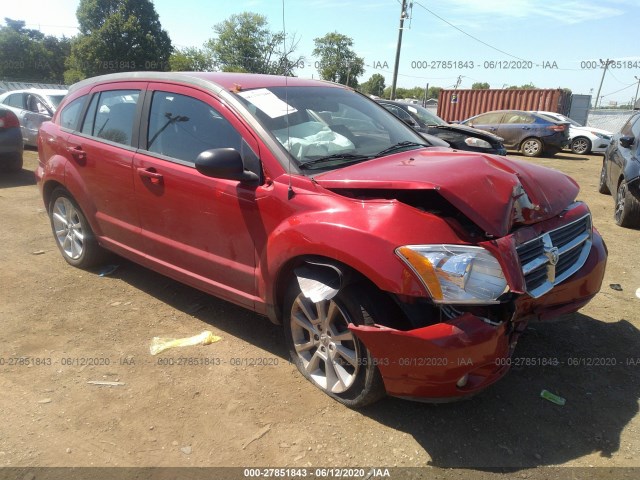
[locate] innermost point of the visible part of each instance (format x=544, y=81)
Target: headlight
x=477, y=142
x=456, y=274
x=599, y=135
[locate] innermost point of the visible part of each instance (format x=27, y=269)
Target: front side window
x=514, y=118
x=113, y=115
x=182, y=127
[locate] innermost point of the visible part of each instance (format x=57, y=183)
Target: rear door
x=195, y=228
x=101, y=153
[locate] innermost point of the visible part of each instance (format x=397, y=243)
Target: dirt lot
x=250, y=407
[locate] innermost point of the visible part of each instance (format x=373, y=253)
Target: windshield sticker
x=268, y=102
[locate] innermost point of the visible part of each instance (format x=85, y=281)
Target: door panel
x=102, y=151
x=195, y=226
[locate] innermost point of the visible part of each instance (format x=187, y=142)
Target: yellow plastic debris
x=159, y=344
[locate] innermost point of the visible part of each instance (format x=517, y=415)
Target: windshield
x=55, y=100
x=425, y=115
x=328, y=126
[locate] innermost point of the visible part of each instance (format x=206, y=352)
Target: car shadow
x=228, y=317
x=594, y=365
x=17, y=179
x=509, y=426
x=568, y=156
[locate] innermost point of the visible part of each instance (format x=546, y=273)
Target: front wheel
x=72, y=231
x=580, y=145
x=627, y=212
x=326, y=352
x=531, y=147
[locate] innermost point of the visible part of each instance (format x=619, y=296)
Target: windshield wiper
x=399, y=146
x=349, y=157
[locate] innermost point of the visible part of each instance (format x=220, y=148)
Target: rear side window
x=70, y=114
x=182, y=127
x=15, y=100
x=111, y=114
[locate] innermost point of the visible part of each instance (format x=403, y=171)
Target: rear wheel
x=627, y=212
x=326, y=352
x=531, y=147
x=72, y=231
x=580, y=145
x=602, y=185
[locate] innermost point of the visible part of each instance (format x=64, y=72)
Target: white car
x=583, y=140
x=32, y=107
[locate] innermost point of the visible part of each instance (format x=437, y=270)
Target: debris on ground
x=159, y=344
x=259, y=434
x=616, y=286
x=106, y=383
x=547, y=395
x=108, y=270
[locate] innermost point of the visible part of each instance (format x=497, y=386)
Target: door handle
x=526, y=128
x=150, y=173
x=77, y=153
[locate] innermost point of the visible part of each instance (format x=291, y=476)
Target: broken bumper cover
x=462, y=356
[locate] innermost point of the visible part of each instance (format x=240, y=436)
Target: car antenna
x=290, y=192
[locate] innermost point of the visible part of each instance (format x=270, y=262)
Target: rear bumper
x=463, y=356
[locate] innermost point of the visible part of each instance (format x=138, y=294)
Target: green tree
x=244, y=43
x=480, y=86
x=338, y=62
x=191, y=59
x=115, y=36
x=526, y=86
x=29, y=55
x=374, y=86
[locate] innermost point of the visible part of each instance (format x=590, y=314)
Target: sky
x=550, y=43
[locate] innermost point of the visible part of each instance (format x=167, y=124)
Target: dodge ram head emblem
x=553, y=255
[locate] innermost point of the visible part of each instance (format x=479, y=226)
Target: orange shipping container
x=458, y=105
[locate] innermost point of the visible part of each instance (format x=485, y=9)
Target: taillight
x=556, y=128
x=8, y=119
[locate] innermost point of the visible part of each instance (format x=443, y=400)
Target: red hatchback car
x=394, y=267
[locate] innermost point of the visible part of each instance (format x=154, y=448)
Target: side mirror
x=225, y=163
x=626, y=142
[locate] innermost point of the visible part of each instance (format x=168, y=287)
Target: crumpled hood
x=494, y=192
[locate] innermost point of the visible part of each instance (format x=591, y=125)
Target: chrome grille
x=553, y=257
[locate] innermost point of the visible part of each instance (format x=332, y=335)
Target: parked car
x=582, y=140
x=393, y=267
x=530, y=133
x=10, y=142
x=32, y=107
x=621, y=173
x=457, y=136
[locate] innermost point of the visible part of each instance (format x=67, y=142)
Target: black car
x=621, y=173
x=11, y=145
x=457, y=136
x=528, y=132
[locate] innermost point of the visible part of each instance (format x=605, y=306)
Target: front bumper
x=463, y=356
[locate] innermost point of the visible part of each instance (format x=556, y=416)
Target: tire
x=326, y=352
x=602, y=185
x=72, y=232
x=627, y=212
x=581, y=146
x=531, y=147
